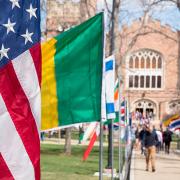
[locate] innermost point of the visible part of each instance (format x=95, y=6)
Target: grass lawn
x=57, y=166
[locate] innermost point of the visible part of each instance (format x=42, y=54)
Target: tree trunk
x=178, y=63
x=67, y=146
x=112, y=48
x=87, y=9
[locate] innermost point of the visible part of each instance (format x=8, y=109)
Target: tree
x=177, y=3
x=118, y=41
x=113, y=25
x=178, y=33
x=67, y=146
x=87, y=9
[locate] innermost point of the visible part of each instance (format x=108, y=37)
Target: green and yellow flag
x=72, y=75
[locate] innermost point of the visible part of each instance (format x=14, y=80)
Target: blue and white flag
x=109, y=86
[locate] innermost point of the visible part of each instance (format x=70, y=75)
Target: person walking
x=141, y=139
x=150, y=139
x=160, y=141
x=137, y=138
x=167, y=137
x=159, y=138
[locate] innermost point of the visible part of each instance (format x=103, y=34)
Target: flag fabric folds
x=109, y=86
x=174, y=125
x=107, y=100
x=89, y=131
x=117, y=108
x=170, y=118
x=92, y=141
x=108, y=109
x=20, y=79
x=72, y=75
x=96, y=130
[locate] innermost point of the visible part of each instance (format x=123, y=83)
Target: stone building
x=147, y=54
x=150, y=68
x=63, y=14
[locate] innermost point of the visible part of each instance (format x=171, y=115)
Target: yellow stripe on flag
x=48, y=88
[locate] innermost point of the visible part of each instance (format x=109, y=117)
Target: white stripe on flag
x=12, y=148
x=27, y=76
x=90, y=129
x=103, y=97
x=92, y=141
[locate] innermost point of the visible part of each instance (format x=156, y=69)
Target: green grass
x=55, y=165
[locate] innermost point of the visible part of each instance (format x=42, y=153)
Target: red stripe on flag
x=122, y=110
x=36, y=55
x=5, y=173
x=90, y=146
x=19, y=109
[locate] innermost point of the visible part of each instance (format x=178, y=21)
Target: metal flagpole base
x=107, y=173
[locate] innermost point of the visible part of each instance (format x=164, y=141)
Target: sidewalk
x=167, y=167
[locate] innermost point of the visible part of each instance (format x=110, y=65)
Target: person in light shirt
x=160, y=140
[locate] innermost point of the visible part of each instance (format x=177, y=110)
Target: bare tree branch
x=107, y=7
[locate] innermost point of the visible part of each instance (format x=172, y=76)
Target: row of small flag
x=93, y=130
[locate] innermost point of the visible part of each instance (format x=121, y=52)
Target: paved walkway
x=167, y=167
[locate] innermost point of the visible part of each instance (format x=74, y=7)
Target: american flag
x=20, y=74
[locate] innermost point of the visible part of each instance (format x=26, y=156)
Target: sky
x=132, y=10
x=43, y=15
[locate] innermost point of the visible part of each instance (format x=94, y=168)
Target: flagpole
x=101, y=152
x=101, y=121
x=112, y=147
x=110, y=164
x=120, y=129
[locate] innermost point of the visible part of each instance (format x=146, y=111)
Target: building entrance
x=145, y=109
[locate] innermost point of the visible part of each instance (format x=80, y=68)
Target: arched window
x=154, y=63
x=159, y=82
x=153, y=81
x=159, y=63
x=131, y=63
x=148, y=63
x=137, y=63
x=146, y=70
x=142, y=63
x=136, y=84
x=174, y=107
x=130, y=81
x=147, y=81
x=142, y=81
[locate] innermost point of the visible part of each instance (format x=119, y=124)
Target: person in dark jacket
x=137, y=138
x=167, y=137
x=141, y=139
x=150, y=139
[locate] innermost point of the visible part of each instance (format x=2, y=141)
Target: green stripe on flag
x=78, y=71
